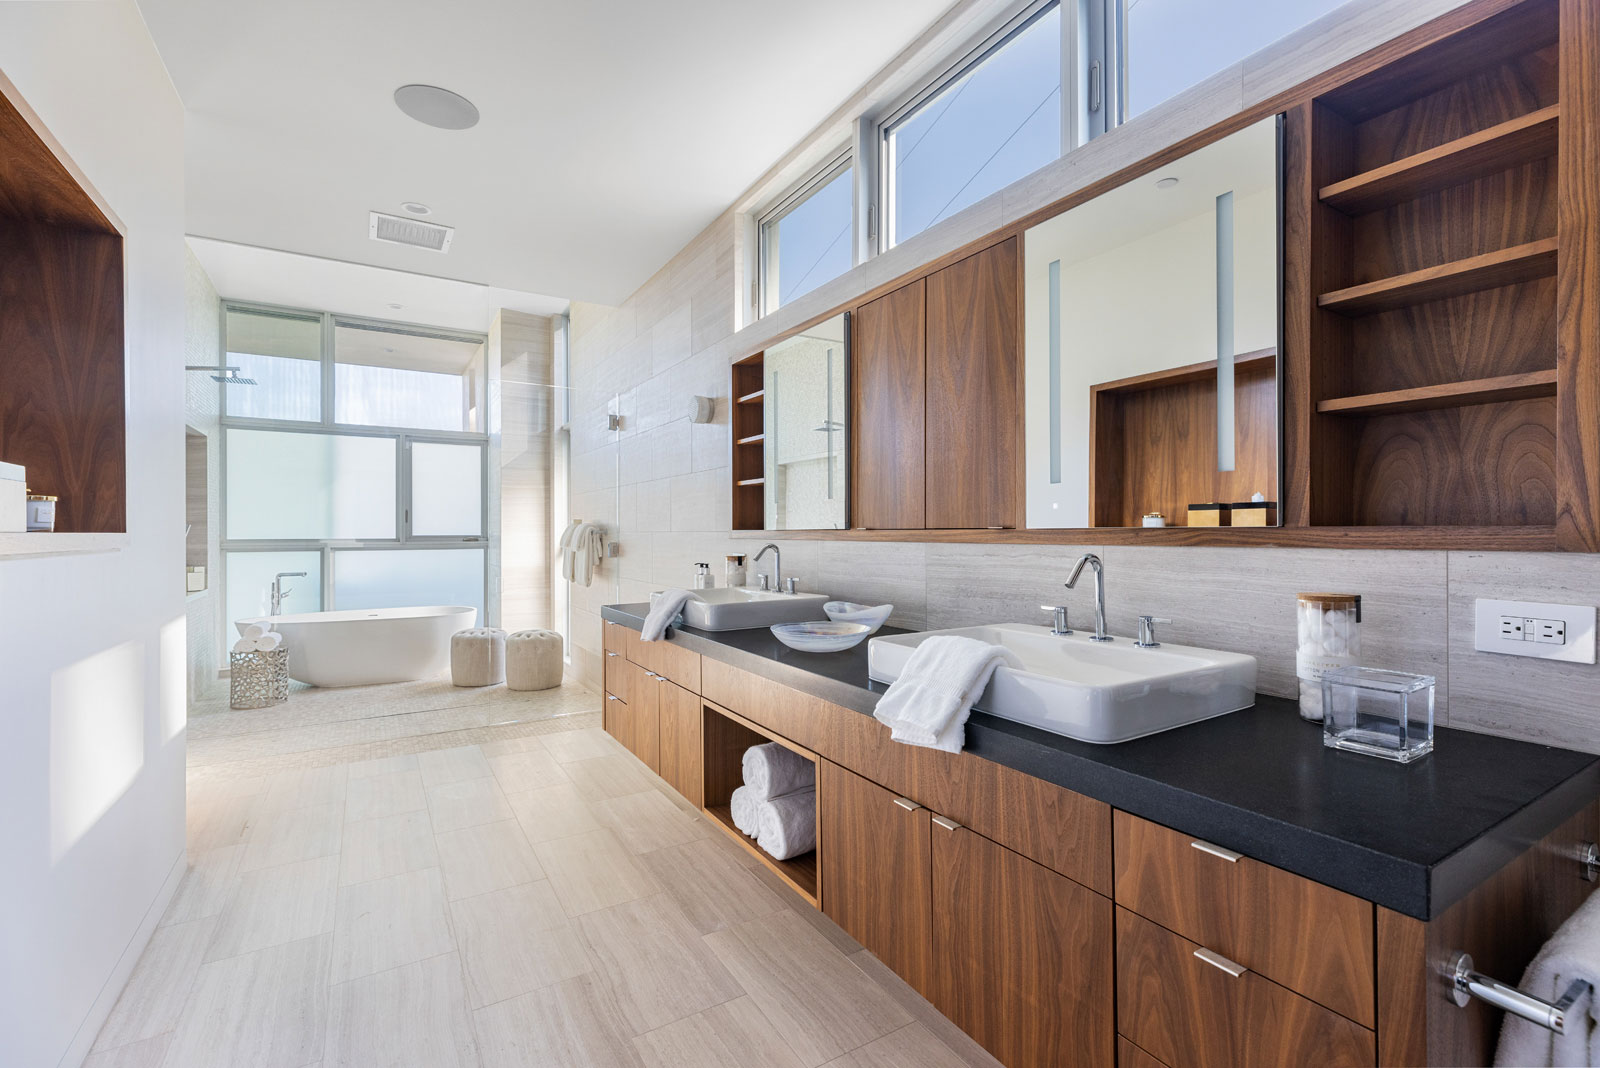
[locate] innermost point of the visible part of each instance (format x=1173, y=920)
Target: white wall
x=92, y=647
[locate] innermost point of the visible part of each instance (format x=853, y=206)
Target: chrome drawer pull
x=610, y=653
x=610, y=698
x=1217, y=960
x=650, y=675
x=1217, y=851
x=907, y=804
x=947, y=823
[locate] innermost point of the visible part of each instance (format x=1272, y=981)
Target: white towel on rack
x=664, y=609
x=929, y=703
x=588, y=546
x=770, y=770
x=788, y=825
x=1573, y=952
x=564, y=548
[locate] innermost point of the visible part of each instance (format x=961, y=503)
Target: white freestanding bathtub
x=368, y=646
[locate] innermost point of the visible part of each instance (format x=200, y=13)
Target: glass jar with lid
x=1329, y=638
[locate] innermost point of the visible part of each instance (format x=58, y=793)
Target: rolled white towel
x=257, y=630
x=788, y=825
x=771, y=771
x=245, y=645
x=268, y=641
x=744, y=806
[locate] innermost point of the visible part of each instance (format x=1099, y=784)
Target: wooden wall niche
x=62, y=412
x=1433, y=336
x=749, y=451
x=1153, y=441
x=62, y=409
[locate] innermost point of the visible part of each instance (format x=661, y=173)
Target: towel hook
x=1466, y=984
x=1589, y=858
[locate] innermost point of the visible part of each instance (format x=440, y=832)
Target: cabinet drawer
x=616, y=638
x=616, y=720
x=619, y=675
x=1189, y=1013
x=1310, y=938
x=676, y=663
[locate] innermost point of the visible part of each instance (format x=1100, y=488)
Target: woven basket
x=258, y=680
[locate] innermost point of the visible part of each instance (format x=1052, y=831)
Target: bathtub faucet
x=278, y=592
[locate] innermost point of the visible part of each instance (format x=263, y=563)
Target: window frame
x=1075, y=15
x=796, y=195
x=403, y=437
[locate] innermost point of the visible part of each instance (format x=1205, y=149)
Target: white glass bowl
x=821, y=637
x=849, y=612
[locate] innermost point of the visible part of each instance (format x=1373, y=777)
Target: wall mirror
x=1151, y=338
x=806, y=406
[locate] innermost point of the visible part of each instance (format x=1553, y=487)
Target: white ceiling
x=246, y=272
x=611, y=134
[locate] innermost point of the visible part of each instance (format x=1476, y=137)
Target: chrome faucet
x=1099, y=570
x=278, y=592
x=777, y=565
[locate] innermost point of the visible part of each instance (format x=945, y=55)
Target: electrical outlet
x=1527, y=628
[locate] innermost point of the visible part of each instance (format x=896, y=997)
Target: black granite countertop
x=1413, y=838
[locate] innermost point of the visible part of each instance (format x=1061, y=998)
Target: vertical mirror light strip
x=1225, y=344
x=1055, y=372
x=827, y=423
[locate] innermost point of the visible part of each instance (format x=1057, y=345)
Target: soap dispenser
x=702, y=577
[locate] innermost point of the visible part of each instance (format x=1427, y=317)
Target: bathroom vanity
x=1228, y=893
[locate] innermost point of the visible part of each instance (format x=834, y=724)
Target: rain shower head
x=229, y=376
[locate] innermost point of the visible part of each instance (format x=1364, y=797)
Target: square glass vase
x=1386, y=714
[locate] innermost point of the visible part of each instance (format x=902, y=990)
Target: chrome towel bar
x=1466, y=984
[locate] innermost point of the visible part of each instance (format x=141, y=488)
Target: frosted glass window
x=1170, y=45
x=385, y=377
x=446, y=489
x=282, y=354
x=250, y=584
x=999, y=121
x=402, y=578
x=809, y=243
x=309, y=486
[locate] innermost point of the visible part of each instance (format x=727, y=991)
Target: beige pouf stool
x=478, y=657
x=533, y=660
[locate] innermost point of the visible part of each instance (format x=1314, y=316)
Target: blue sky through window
x=813, y=240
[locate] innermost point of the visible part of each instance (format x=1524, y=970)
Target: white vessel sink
x=744, y=607
x=1092, y=691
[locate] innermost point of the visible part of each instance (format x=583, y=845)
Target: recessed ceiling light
x=417, y=209
x=396, y=307
x=436, y=107
x=1166, y=183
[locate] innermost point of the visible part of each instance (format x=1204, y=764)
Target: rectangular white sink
x=744, y=607
x=1092, y=691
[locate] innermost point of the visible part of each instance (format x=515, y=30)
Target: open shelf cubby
x=724, y=737
x=749, y=448
x=1433, y=192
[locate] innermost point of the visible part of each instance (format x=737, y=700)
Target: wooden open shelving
x=749, y=431
x=753, y=397
x=1446, y=395
x=725, y=736
x=1521, y=263
x=1477, y=155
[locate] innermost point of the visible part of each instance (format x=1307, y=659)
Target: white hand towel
x=1573, y=952
x=929, y=703
x=664, y=609
x=585, y=553
x=771, y=771
x=788, y=825
x=744, y=806
x=257, y=630
x=565, y=549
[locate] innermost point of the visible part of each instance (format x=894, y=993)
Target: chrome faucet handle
x=1059, y=626
x=1147, y=631
x=762, y=580
x=791, y=585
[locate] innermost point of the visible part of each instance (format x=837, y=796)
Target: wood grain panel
x=1578, y=280
x=1456, y=394
x=679, y=741
x=644, y=714
x=1022, y=956
x=878, y=877
x=62, y=374
x=1502, y=923
x=974, y=362
x=1191, y=1014
x=888, y=435
x=1310, y=938
x=615, y=637
x=35, y=184
x=618, y=723
x=619, y=675
x=1131, y=1056
x=668, y=658
x=786, y=712
x=1521, y=263
x=1490, y=463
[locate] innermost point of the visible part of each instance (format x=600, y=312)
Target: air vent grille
x=398, y=230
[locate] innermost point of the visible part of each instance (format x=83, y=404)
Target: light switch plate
x=1579, y=619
